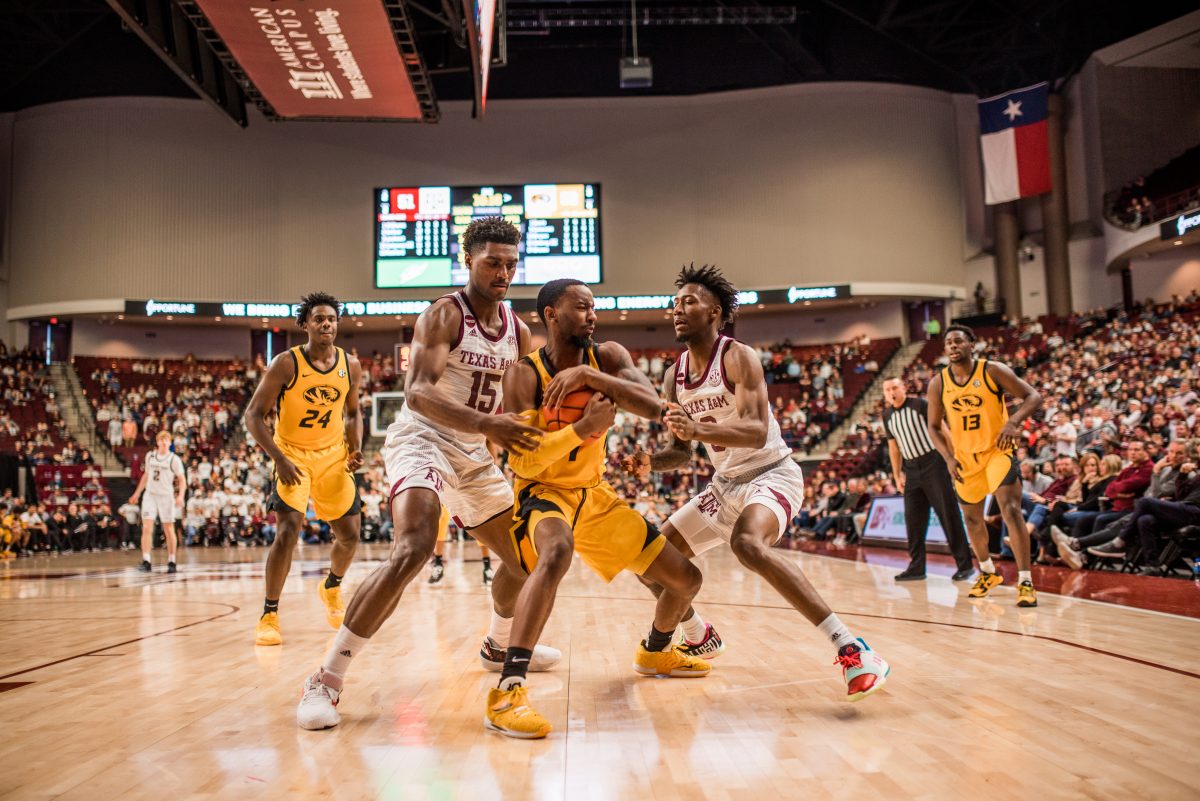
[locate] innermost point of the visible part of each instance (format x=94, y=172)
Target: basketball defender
x=161, y=488
x=316, y=447
x=563, y=502
x=717, y=395
x=969, y=394
x=437, y=455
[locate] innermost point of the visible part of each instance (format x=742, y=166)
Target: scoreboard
x=418, y=232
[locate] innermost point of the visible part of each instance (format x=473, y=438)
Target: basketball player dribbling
x=436, y=454
x=161, y=488
x=563, y=503
x=717, y=395
x=969, y=394
x=316, y=447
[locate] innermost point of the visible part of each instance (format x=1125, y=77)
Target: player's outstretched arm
x=352, y=414
x=618, y=378
x=936, y=424
x=749, y=429
x=676, y=455
x=279, y=375
x=437, y=327
x=520, y=387
x=1008, y=381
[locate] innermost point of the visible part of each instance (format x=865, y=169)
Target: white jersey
x=161, y=472
x=709, y=399
x=474, y=367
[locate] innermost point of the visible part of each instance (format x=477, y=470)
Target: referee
x=924, y=480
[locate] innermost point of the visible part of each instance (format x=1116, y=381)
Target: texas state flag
x=1012, y=127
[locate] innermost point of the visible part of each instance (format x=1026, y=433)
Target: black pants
x=1150, y=516
x=927, y=484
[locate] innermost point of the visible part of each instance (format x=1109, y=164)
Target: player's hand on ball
x=354, y=460
x=287, y=473
x=598, y=416
x=510, y=432
x=679, y=422
x=565, y=382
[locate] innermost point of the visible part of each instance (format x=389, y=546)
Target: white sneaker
x=318, y=703
x=1070, y=556
x=492, y=657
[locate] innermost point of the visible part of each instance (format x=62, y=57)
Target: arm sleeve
x=887, y=415
x=553, y=446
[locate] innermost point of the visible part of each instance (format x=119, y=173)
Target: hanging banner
x=329, y=59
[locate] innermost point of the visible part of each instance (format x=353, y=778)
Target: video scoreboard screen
x=418, y=232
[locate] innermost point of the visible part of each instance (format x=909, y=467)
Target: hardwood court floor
x=115, y=685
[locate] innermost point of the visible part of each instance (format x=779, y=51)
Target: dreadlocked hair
x=709, y=277
x=313, y=300
x=489, y=229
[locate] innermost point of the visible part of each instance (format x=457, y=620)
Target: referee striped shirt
x=907, y=425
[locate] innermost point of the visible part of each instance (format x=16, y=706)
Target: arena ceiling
x=53, y=50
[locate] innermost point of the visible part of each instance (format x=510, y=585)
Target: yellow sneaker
x=509, y=713
x=984, y=583
x=1026, y=594
x=672, y=662
x=335, y=610
x=267, y=631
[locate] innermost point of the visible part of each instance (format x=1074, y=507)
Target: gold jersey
x=975, y=411
x=310, y=407
x=584, y=466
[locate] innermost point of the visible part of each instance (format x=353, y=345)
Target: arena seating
x=212, y=389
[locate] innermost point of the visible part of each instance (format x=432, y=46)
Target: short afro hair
x=962, y=329
x=552, y=291
x=311, y=301
x=489, y=229
x=709, y=277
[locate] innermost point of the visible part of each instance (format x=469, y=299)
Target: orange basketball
x=570, y=411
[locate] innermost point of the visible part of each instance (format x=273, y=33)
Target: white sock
x=836, y=631
x=346, y=646
x=171, y=559
x=986, y=565
x=1024, y=575
x=500, y=630
x=145, y=556
x=694, y=628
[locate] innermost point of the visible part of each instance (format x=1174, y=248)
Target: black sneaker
x=144, y=567
x=171, y=568
x=964, y=574
x=488, y=574
x=437, y=573
x=910, y=575
x=1109, y=550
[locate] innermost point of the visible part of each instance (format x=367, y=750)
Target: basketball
x=570, y=411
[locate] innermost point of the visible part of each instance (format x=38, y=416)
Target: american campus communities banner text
x=336, y=58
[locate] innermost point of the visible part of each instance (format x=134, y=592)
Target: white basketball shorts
x=466, y=480
x=708, y=519
x=156, y=506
